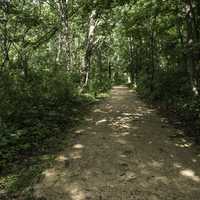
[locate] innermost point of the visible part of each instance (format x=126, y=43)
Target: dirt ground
x=124, y=151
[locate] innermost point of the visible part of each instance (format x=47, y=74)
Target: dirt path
x=124, y=151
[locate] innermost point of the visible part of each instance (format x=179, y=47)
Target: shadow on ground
x=123, y=150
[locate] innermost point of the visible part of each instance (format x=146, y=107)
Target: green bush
x=172, y=89
x=32, y=111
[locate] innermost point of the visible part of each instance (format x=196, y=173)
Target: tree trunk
x=58, y=56
x=133, y=63
x=153, y=53
x=193, y=52
x=152, y=62
x=5, y=46
x=90, y=36
x=63, y=9
x=109, y=71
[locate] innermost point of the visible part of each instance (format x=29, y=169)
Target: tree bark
x=63, y=10
x=193, y=53
x=109, y=71
x=133, y=63
x=89, y=44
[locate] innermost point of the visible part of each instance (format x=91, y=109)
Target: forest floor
x=123, y=150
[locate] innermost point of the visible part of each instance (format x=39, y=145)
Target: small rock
x=129, y=176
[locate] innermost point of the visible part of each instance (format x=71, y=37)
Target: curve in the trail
x=124, y=151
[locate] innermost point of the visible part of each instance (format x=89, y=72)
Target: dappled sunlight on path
x=122, y=151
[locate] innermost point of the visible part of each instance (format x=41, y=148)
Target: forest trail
x=123, y=151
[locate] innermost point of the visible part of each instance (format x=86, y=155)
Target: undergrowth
x=35, y=121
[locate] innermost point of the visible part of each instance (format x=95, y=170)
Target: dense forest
x=57, y=56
